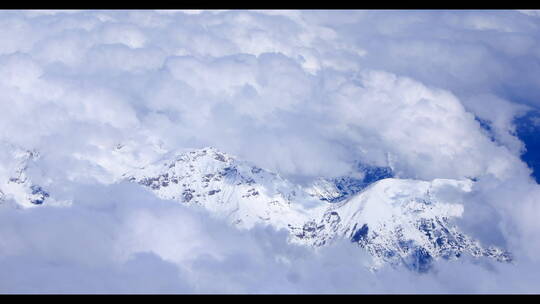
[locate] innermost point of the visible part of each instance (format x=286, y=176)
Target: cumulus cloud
x=302, y=93
x=251, y=82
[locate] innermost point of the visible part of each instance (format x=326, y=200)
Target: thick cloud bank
x=306, y=94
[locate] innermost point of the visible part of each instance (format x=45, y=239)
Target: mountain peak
x=402, y=221
x=237, y=190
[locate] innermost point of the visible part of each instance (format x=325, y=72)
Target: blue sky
x=528, y=131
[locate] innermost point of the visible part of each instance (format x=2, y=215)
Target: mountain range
x=397, y=221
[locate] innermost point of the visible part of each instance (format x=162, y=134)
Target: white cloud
x=303, y=93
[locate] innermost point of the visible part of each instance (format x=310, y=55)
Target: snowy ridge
x=397, y=221
x=238, y=191
x=341, y=188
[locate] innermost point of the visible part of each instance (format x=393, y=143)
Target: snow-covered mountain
x=397, y=221
x=15, y=185
x=236, y=190
x=401, y=221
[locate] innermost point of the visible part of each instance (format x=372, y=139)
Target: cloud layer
x=305, y=94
